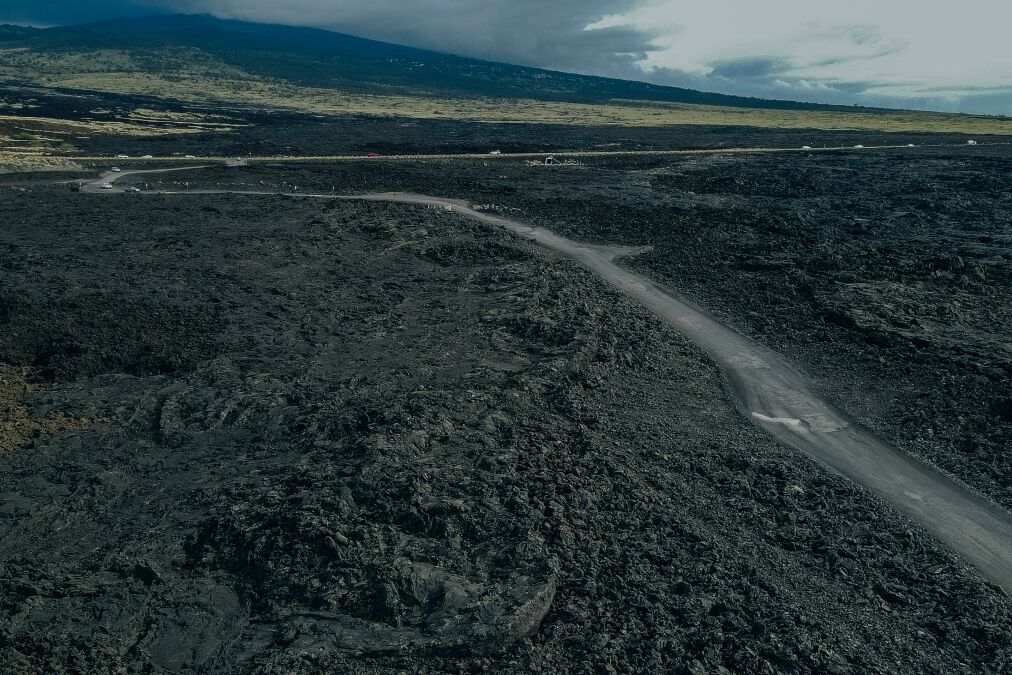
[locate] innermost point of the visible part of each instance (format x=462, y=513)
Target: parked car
x=189, y=157
x=496, y=152
x=132, y=189
x=115, y=169
x=148, y=157
x=106, y=186
x=122, y=156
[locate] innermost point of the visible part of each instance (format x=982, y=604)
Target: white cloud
x=887, y=49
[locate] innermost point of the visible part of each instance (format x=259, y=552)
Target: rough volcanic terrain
x=273, y=435
x=885, y=275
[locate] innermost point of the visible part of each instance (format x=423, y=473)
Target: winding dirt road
x=772, y=394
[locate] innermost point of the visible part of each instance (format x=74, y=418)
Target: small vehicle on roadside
x=122, y=156
x=106, y=186
x=132, y=189
x=806, y=147
x=373, y=154
x=148, y=157
x=189, y=157
x=496, y=152
x=115, y=169
x=858, y=147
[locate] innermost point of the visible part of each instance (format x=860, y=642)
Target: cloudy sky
x=906, y=53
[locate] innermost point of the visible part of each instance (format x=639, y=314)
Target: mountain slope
x=120, y=71
x=318, y=58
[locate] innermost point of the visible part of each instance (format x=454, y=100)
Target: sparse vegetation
x=54, y=135
x=233, y=94
x=18, y=162
x=17, y=426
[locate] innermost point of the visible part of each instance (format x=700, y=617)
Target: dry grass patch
x=186, y=119
x=17, y=426
x=24, y=135
x=17, y=162
x=245, y=93
x=92, y=127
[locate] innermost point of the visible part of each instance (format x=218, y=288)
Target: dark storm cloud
x=529, y=32
x=995, y=103
x=753, y=80
x=546, y=33
x=55, y=12
x=749, y=68
x=846, y=92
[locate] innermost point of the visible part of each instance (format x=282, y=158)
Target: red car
x=373, y=154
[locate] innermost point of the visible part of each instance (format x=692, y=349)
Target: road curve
x=112, y=177
x=775, y=396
